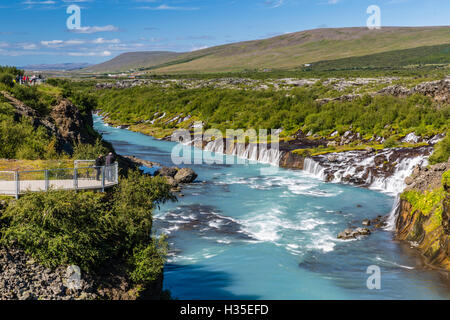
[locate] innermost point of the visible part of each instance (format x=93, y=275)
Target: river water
x=244, y=233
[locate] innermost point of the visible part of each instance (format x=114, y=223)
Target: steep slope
x=132, y=60
x=292, y=50
x=423, y=213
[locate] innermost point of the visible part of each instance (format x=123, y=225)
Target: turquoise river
x=243, y=233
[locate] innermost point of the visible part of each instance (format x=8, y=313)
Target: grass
x=428, y=55
x=292, y=51
x=273, y=54
x=29, y=165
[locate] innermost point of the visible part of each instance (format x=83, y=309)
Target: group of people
x=107, y=162
x=27, y=80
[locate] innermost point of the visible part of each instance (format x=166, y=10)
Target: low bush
x=441, y=151
x=90, y=229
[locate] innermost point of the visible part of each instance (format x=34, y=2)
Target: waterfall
x=361, y=169
x=252, y=151
x=395, y=184
x=392, y=217
x=314, y=168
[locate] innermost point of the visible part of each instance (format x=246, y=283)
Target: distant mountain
x=288, y=51
x=133, y=60
x=56, y=67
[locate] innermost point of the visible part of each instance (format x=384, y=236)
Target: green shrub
x=147, y=262
x=61, y=228
x=271, y=109
x=89, y=229
x=20, y=140
x=7, y=79
x=390, y=142
x=446, y=180
x=441, y=151
x=32, y=98
x=89, y=152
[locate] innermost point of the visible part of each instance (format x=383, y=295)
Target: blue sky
x=35, y=31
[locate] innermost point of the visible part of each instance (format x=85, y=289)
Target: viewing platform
x=89, y=177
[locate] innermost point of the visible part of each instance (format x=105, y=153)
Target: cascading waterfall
x=252, y=152
x=392, y=184
x=314, y=168
x=393, y=214
x=346, y=164
x=395, y=184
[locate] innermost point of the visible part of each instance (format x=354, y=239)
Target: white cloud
x=90, y=54
x=29, y=46
x=166, y=7
x=31, y=3
x=103, y=41
x=274, y=3
x=77, y=42
x=52, y=43
x=95, y=29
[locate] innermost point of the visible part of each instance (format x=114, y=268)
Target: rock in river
x=185, y=175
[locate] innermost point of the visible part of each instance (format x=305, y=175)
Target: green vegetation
x=21, y=140
x=430, y=203
x=87, y=151
x=241, y=109
x=442, y=151
x=92, y=229
x=446, y=180
x=425, y=202
x=77, y=92
x=420, y=56
x=7, y=76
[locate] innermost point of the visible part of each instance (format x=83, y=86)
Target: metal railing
x=89, y=177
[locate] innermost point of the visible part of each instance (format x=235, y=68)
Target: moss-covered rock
x=423, y=219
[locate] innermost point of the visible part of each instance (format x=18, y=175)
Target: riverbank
x=423, y=214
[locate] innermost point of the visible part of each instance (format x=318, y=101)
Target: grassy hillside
x=420, y=56
x=133, y=60
x=291, y=51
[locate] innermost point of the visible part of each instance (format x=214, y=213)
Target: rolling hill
x=133, y=60
x=289, y=51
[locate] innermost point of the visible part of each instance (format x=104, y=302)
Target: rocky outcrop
x=22, y=278
x=348, y=234
x=292, y=161
x=173, y=175
x=65, y=122
x=361, y=232
x=185, y=175
x=423, y=214
x=71, y=126
x=438, y=90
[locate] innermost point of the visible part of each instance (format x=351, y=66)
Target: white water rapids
x=393, y=184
